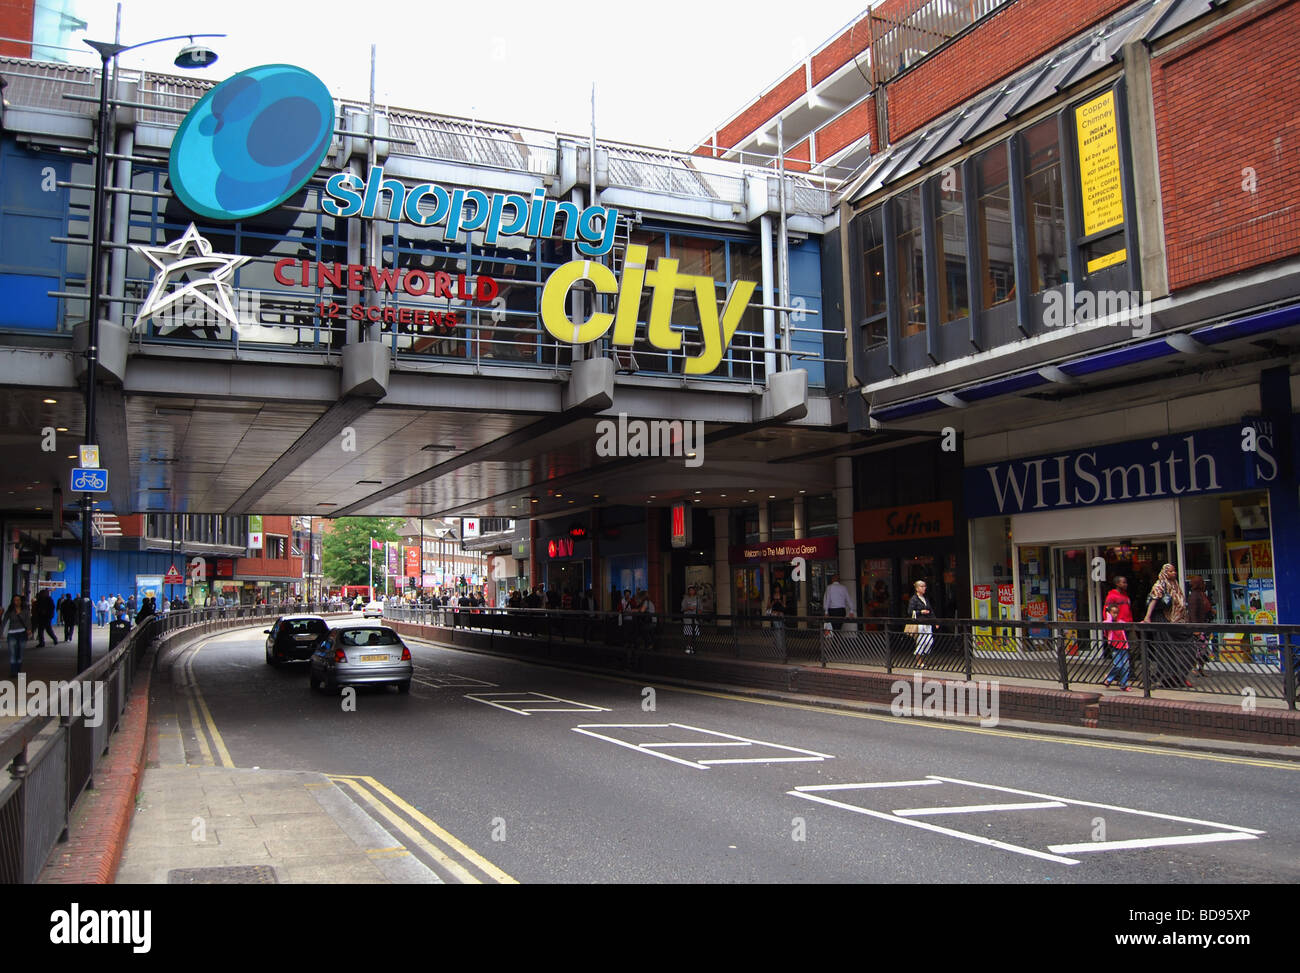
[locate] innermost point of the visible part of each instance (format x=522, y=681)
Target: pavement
x=202, y=820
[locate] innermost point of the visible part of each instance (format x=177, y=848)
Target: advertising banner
x=412, y=561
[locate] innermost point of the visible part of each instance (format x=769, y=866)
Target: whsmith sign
x=1179, y=464
x=256, y=139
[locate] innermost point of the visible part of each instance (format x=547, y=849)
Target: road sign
x=90, y=456
x=173, y=576
x=89, y=480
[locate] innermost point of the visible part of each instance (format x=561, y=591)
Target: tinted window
x=305, y=626
x=368, y=636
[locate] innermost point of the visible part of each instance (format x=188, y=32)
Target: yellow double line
x=200, y=715
x=459, y=860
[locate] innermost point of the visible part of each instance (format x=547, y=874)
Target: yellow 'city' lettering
x=666, y=282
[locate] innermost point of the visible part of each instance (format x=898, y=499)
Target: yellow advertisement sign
x=1099, y=169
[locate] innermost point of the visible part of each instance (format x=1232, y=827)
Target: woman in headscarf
x=1166, y=603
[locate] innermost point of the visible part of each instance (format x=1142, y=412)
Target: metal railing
x=51, y=759
x=1213, y=660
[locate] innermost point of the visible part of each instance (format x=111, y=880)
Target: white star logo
x=176, y=263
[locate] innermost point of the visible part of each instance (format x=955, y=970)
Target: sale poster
x=1067, y=610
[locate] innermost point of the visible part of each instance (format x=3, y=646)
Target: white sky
x=666, y=72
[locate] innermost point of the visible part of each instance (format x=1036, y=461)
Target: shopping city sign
x=252, y=142
x=716, y=329
x=255, y=140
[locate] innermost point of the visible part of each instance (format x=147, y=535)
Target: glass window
x=994, y=218
x=781, y=519
x=910, y=263
x=873, y=275
x=820, y=516
x=950, y=245
x=1044, y=205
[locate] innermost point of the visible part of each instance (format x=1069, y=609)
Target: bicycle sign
x=89, y=480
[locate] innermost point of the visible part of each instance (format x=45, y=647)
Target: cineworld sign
x=258, y=137
x=1157, y=468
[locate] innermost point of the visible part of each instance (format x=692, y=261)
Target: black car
x=294, y=637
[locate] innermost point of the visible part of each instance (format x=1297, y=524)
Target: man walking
x=838, y=602
x=42, y=617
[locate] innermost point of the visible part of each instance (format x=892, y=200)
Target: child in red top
x=1118, y=640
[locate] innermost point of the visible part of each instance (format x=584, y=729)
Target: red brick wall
x=16, y=21
x=848, y=128
x=765, y=108
x=1225, y=102
x=1014, y=36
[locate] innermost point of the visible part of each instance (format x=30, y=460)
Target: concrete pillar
x=721, y=561
x=800, y=532
x=844, y=519
x=764, y=522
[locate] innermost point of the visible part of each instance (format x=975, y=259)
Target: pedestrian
x=647, y=619
x=919, y=609
x=838, y=602
x=1117, y=639
x=776, y=612
x=690, y=618
x=16, y=624
x=102, y=608
x=42, y=617
x=1200, y=609
x=1167, y=606
x=68, y=616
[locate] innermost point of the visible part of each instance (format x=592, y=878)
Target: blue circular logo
x=252, y=142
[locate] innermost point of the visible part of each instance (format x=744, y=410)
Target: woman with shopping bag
x=919, y=609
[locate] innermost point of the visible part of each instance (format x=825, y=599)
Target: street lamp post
x=192, y=56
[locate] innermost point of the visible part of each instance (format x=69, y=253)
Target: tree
x=346, y=550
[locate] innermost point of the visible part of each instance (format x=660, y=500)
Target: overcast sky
x=666, y=73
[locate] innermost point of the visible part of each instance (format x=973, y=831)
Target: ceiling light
x=532, y=499
x=50, y=401
x=60, y=428
x=72, y=456
x=771, y=496
x=699, y=491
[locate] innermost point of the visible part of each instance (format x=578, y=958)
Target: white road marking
x=1056, y=852
x=633, y=746
x=978, y=839
x=1181, y=839
x=909, y=812
x=1104, y=807
x=856, y=787
x=731, y=741
x=541, y=703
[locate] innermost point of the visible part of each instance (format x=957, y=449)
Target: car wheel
x=404, y=686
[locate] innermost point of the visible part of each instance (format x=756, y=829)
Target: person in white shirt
x=691, y=619
x=838, y=602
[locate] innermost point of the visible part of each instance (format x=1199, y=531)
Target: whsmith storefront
x=1049, y=533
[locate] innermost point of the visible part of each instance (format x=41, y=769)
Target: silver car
x=358, y=654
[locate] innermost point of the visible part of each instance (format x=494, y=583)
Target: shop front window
x=747, y=590
x=1045, y=205
x=873, y=278
x=950, y=246
x=911, y=262
x=994, y=220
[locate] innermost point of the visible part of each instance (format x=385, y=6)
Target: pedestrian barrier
x=1215, y=660
x=51, y=759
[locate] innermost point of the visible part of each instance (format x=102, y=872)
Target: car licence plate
x=374, y=658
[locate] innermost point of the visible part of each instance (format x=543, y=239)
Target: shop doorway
x=1076, y=596
x=568, y=576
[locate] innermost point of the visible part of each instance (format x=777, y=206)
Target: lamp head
x=195, y=56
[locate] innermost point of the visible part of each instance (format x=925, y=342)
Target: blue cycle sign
x=89, y=480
